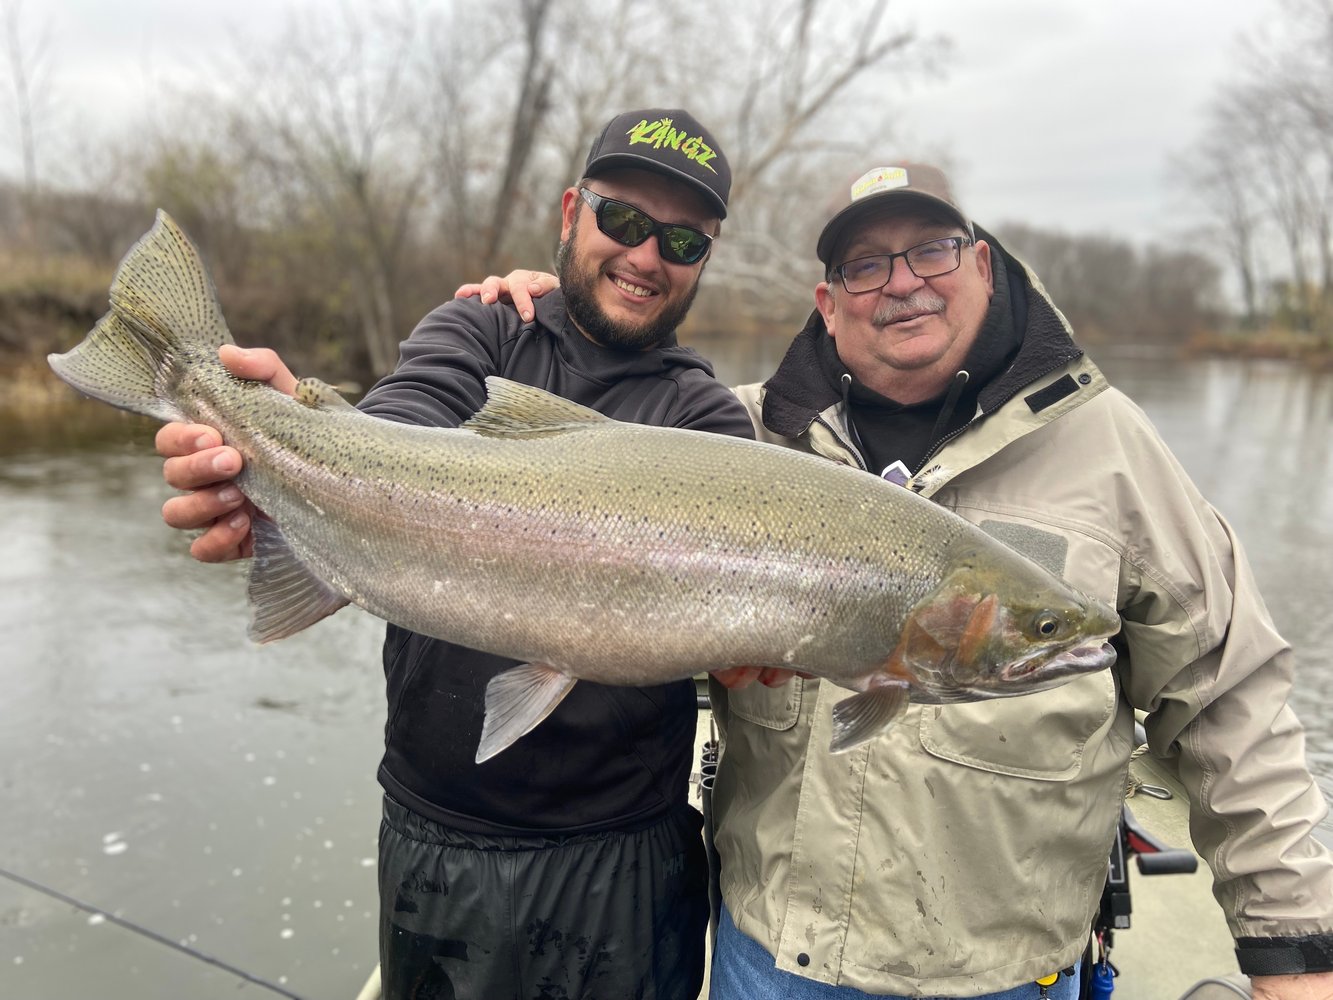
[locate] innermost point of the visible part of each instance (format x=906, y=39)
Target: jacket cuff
x=1285, y=956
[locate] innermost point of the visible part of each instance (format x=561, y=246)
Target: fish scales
x=585, y=547
x=660, y=533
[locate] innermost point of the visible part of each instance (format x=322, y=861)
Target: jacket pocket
x=773, y=708
x=1040, y=736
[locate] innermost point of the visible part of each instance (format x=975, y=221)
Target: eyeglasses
x=925, y=260
x=628, y=226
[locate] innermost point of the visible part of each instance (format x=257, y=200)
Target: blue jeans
x=743, y=970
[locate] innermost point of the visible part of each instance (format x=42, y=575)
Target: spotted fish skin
x=589, y=548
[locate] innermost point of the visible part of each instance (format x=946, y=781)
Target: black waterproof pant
x=599, y=916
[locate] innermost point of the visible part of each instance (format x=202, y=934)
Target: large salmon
x=586, y=547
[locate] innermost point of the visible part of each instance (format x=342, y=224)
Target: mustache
x=915, y=304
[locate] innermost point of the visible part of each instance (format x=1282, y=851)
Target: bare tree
x=532, y=102
x=1303, y=79
x=1265, y=160
x=1213, y=175
x=802, y=58
x=758, y=77
x=27, y=55
x=1111, y=290
x=327, y=113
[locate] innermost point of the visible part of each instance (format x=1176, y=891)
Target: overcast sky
x=1060, y=113
x=1082, y=102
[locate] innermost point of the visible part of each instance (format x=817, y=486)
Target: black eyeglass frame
x=659, y=229
x=958, y=243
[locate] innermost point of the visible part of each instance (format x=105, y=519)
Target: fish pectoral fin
x=516, y=701
x=319, y=395
x=285, y=596
x=864, y=716
x=516, y=410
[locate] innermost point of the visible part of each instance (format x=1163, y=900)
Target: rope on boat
x=147, y=933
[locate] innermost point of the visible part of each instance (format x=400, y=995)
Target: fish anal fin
x=515, y=410
x=516, y=701
x=319, y=395
x=285, y=596
x=864, y=716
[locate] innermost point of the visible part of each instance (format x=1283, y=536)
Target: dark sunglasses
x=629, y=227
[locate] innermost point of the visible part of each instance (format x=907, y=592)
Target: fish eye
x=1046, y=624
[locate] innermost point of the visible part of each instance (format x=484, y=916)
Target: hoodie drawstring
x=846, y=383
x=950, y=403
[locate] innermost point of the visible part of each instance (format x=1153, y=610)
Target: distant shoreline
x=1310, y=350
x=27, y=385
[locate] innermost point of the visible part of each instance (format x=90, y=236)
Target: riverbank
x=1310, y=350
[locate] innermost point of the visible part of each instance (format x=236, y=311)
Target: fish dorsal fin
x=516, y=410
x=285, y=596
x=516, y=700
x=319, y=395
x=864, y=716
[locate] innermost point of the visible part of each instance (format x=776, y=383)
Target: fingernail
x=222, y=464
x=527, y=315
x=203, y=441
x=487, y=297
x=230, y=495
x=237, y=522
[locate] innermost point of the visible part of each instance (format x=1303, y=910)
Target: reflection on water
x=156, y=764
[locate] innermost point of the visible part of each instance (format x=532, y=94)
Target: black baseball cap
x=669, y=141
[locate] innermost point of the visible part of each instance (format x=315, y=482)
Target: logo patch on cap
x=877, y=180
x=662, y=134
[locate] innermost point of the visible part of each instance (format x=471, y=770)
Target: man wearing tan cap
x=963, y=853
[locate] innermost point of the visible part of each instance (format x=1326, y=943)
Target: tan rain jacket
x=964, y=851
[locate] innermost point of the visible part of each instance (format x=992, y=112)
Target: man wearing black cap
x=570, y=865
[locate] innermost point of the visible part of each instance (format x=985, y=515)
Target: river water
x=170, y=779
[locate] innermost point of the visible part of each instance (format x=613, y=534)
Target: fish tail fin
x=516, y=701
x=164, y=317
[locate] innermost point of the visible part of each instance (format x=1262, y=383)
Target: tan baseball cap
x=918, y=184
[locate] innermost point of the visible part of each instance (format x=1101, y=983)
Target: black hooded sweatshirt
x=608, y=758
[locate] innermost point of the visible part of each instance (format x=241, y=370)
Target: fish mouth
x=1082, y=659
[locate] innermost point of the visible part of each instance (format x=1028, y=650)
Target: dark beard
x=578, y=280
